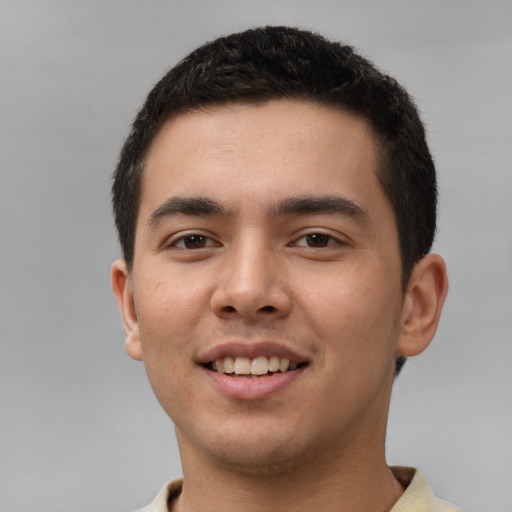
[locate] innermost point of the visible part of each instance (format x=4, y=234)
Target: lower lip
x=247, y=388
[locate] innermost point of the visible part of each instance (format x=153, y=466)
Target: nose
x=251, y=285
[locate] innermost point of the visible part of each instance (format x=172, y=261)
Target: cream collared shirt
x=417, y=497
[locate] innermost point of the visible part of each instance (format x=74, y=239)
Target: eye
x=316, y=240
x=193, y=242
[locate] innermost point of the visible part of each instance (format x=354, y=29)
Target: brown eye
x=193, y=242
x=318, y=240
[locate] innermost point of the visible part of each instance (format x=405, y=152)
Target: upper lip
x=250, y=350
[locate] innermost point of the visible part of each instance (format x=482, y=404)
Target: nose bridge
x=250, y=283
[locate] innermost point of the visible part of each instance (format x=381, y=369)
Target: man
x=276, y=204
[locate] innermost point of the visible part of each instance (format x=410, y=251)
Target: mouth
x=257, y=367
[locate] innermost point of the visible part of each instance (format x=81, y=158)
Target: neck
x=357, y=481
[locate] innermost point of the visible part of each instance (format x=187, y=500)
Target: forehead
x=256, y=154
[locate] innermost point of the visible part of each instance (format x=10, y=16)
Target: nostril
x=229, y=309
x=268, y=309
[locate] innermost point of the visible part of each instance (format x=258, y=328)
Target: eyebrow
x=303, y=205
x=186, y=206
x=300, y=205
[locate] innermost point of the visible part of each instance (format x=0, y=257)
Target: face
x=264, y=240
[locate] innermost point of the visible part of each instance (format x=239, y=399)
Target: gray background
x=80, y=429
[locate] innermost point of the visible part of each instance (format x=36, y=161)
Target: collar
x=417, y=497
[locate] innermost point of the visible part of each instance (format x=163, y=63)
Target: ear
x=423, y=302
x=122, y=286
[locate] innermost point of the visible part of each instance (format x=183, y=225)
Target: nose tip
x=252, y=290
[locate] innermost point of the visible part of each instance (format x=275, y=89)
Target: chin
x=250, y=450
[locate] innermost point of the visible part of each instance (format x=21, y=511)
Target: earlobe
x=123, y=290
x=423, y=303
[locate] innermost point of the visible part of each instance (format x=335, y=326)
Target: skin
x=324, y=284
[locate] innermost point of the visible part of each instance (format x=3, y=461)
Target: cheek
x=357, y=314
x=169, y=303
x=167, y=311
x=164, y=323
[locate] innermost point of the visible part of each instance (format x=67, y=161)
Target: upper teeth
x=257, y=366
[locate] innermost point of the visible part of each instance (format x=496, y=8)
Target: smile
x=259, y=366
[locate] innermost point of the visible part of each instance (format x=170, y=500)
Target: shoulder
x=167, y=494
x=418, y=495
